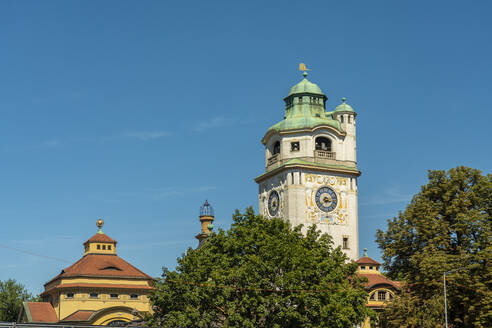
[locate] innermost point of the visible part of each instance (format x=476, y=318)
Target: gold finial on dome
x=99, y=224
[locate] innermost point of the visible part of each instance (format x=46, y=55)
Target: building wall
x=297, y=190
x=65, y=305
x=83, y=301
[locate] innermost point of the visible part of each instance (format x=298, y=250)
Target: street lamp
x=445, y=301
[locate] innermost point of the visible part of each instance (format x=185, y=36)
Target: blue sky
x=138, y=111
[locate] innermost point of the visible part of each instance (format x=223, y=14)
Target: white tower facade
x=311, y=169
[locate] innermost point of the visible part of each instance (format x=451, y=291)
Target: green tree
x=446, y=226
x=261, y=273
x=408, y=310
x=12, y=294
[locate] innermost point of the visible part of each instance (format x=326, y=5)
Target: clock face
x=326, y=199
x=273, y=203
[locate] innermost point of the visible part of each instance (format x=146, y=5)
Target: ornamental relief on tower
x=326, y=199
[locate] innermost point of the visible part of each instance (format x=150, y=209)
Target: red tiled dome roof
x=379, y=279
x=101, y=238
x=102, y=265
x=367, y=260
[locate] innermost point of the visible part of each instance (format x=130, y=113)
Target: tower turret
x=346, y=115
x=100, y=243
x=310, y=166
x=206, y=218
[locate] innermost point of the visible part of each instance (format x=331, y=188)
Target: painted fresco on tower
x=329, y=190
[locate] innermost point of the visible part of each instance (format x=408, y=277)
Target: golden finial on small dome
x=99, y=224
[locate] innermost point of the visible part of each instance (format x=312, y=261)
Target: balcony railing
x=324, y=154
x=320, y=156
x=274, y=159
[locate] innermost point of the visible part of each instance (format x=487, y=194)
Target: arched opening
x=114, y=316
x=276, y=148
x=323, y=143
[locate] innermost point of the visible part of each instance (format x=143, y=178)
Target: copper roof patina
x=309, y=113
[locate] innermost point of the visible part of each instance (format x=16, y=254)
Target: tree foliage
x=261, y=273
x=12, y=294
x=446, y=226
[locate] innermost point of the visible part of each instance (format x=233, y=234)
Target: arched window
x=276, y=148
x=323, y=143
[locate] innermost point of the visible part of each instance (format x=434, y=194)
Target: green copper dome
x=304, y=122
x=306, y=109
x=344, y=107
x=305, y=86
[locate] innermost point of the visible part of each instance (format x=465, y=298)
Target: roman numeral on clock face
x=326, y=199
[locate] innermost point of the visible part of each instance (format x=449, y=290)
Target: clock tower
x=311, y=170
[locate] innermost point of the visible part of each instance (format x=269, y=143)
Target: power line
x=33, y=254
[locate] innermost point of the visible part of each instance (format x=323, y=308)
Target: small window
x=98, y=246
x=390, y=296
x=370, y=268
x=341, y=118
x=104, y=246
x=300, y=100
x=69, y=295
x=381, y=296
x=363, y=267
x=113, y=295
x=372, y=296
x=94, y=295
x=109, y=247
x=294, y=146
x=134, y=296
x=345, y=243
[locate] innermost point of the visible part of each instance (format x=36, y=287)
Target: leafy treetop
x=446, y=226
x=12, y=294
x=261, y=273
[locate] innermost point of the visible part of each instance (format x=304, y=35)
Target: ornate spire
x=99, y=224
x=365, y=252
x=206, y=209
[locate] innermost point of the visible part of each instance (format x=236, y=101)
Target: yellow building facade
x=99, y=289
x=379, y=288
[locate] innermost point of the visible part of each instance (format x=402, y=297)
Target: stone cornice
x=312, y=166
